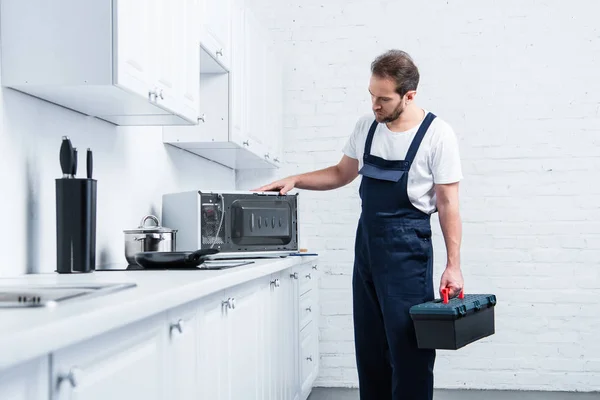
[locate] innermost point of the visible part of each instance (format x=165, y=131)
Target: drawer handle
x=308, y=276
x=314, y=267
x=309, y=358
x=73, y=377
x=294, y=275
x=309, y=309
x=220, y=52
x=229, y=303
x=178, y=326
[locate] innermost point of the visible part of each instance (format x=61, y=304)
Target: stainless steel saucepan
x=148, y=239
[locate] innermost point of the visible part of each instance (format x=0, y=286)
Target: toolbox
x=453, y=323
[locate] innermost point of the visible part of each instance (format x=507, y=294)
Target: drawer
x=308, y=355
x=307, y=309
x=307, y=278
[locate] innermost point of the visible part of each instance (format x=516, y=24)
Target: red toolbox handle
x=446, y=292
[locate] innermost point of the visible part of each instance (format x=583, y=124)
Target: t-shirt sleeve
x=445, y=157
x=350, y=146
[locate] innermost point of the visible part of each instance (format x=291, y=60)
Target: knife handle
x=74, y=172
x=90, y=163
x=66, y=157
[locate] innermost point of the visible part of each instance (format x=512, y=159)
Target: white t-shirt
x=437, y=161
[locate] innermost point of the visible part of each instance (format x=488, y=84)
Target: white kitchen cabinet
x=129, y=62
x=27, y=381
x=256, y=339
x=213, y=362
x=122, y=364
x=241, y=109
x=182, y=353
x=216, y=32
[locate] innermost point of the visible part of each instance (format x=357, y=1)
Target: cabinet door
x=168, y=53
x=213, y=362
x=181, y=353
x=273, y=108
x=255, y=53
x=217, y=29
x=126, y=363
x=237, y=75
x=27, y=381
x=133, y=31
x=190, y=90
x=243, y=332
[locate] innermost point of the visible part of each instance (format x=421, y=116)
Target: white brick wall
x=518, y=80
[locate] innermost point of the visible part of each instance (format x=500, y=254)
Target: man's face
x=387, y=104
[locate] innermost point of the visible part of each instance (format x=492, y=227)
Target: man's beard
x=391, y=117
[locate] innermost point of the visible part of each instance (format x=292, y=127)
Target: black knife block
x=75, y=225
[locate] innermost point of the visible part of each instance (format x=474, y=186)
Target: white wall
x=132, y=166
x=518, y=80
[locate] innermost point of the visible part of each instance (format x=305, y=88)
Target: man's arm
x=450, y=222
x=328, y=178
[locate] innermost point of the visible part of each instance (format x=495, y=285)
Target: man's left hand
x=452, y=279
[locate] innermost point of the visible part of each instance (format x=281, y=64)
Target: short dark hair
x=399, y=66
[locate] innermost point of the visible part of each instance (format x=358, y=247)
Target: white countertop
x=27, y=333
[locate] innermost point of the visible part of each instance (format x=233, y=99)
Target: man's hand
x=283, y=186
x=452, y=279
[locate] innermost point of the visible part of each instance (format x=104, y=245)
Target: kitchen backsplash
x=132, y=165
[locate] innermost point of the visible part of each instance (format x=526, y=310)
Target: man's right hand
x=283, y=186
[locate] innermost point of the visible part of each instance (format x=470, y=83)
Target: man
x=410, y=167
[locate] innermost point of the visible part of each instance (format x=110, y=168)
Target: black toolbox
x=452, y=324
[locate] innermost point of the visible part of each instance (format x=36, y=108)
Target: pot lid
x=150, y=229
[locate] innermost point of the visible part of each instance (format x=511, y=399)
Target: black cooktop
x=206, y=265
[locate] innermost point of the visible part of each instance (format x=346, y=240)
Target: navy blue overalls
x=393, y=271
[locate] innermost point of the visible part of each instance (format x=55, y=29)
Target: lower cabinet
x=27, y=381
x=257, y=340
x=128, y=363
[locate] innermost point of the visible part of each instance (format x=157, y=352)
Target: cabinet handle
x=275, y=282
x=73, y=377
x=202, y=118
x=152, y=93
x=161, y=94
x=308, y=276
x=267, y=156
x=246, y=143
x=229, y=303
x=314, y=267
x=178, y=326
x=309, y=358
x=276, y=159
x=309, y=308
x=220, y=52
x=294, y=275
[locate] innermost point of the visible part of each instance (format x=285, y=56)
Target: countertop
x=26, y=333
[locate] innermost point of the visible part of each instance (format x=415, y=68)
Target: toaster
x=240, y=224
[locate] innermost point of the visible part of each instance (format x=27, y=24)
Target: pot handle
x=146, y=218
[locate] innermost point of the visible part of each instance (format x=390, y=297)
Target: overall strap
x=370, y=138
x=414, y=146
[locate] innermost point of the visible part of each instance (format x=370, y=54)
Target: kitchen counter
x=26, y=333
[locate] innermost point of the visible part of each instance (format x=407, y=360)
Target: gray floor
x=352, y=394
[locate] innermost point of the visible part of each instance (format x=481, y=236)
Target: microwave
x=240, y=224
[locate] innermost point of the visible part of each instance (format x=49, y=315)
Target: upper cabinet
x=216, y=31
x=129, y=62
x=241, y=107
x=204, y=70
